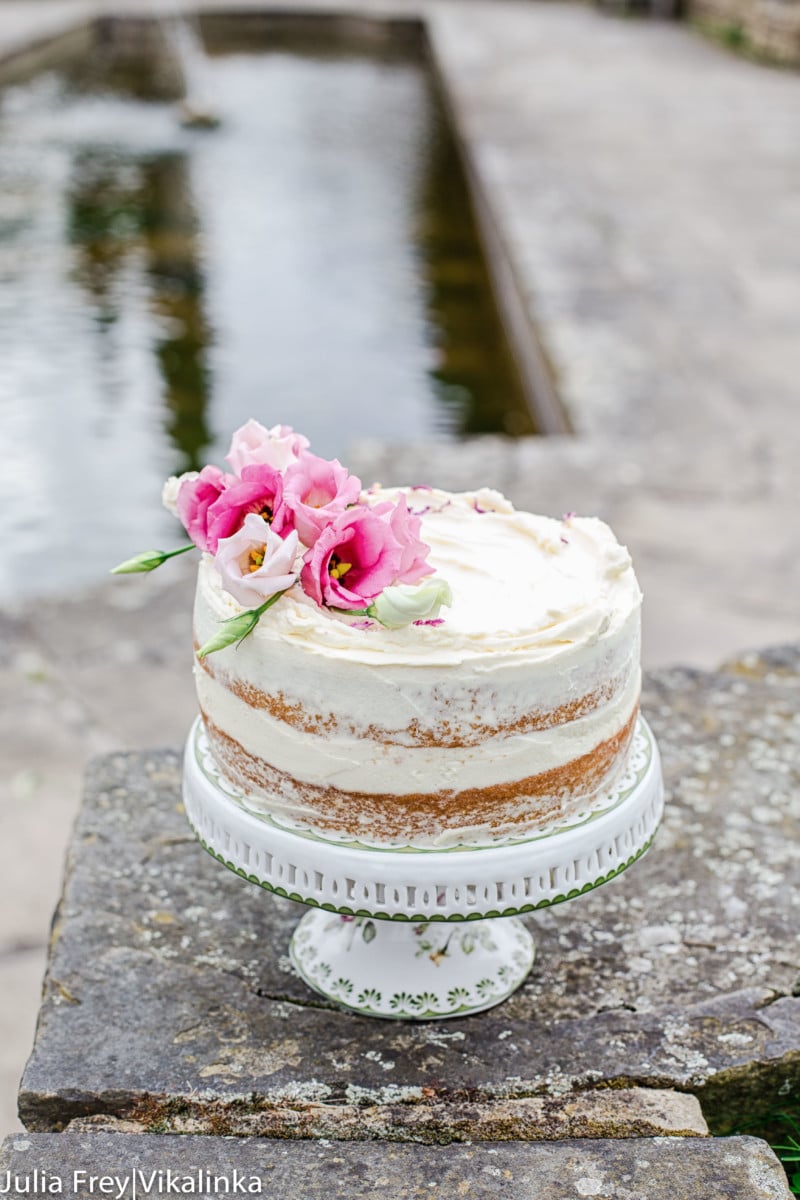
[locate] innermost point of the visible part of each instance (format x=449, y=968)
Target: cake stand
x=417, y=934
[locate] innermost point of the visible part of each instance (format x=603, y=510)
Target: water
x=310, y=261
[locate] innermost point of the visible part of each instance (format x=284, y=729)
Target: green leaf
x=148, y=560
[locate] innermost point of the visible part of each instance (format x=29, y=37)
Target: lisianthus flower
x=317, y=490
x=406, y=527
x=255, y=562
x=196, y=497
x=253, y=445
x=260, y=490
x=354, y=558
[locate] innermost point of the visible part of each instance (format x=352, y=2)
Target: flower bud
x=236, y=629
x=230, y=631
x=403, y=604
x=148, y=560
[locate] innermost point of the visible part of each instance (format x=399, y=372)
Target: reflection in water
x=104, y=215
x=313, y=260
x=173, y=269
x=475, y=380
x=119, y=211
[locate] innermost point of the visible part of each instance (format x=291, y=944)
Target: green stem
x=269, y=603
x=148, y=561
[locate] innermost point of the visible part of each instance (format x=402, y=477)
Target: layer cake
x=512, y=711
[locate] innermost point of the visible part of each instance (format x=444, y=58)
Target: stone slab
x=40, y=36
x=739, y=1168
x=170, y=999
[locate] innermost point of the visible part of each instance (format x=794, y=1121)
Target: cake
x=403, y=667
x=512, y=709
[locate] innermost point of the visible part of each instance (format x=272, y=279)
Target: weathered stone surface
x=777, y=665
x=656, y=1169
x=611, y=1112
x=59, y=32
x=170, y=999
x=763, y=28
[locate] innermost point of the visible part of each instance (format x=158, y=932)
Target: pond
x=312, y=259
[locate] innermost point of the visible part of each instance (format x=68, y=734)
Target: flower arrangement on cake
x=284, y=518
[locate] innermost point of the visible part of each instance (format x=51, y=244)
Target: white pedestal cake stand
x=416, y=934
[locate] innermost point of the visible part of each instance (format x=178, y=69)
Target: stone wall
x=765, y=27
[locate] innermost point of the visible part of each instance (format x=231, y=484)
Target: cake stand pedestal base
x=422, y=934
x=415, y=971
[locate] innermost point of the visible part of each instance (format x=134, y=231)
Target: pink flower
x=405, y=527
x=354, y=558
x=196, y=496
x=260, y=490
x=253, y=445
x=255, y=563
x=317, y=490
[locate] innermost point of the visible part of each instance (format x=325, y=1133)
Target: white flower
x=403, y=604
x=255, y=563
x=169, y=493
